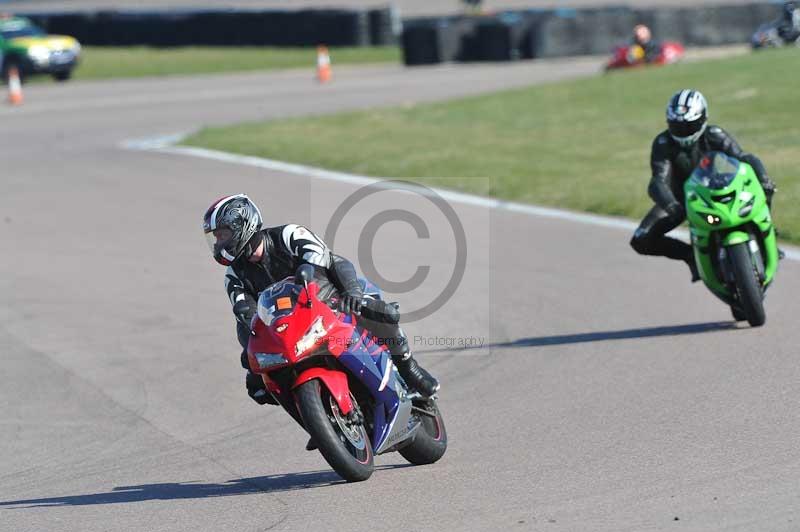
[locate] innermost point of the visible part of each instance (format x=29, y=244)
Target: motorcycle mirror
x=304, y=274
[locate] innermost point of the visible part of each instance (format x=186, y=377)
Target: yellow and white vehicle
x=32, y=51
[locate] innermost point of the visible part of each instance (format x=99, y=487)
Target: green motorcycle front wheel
x=748, y=286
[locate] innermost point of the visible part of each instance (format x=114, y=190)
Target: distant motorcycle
x=769, y=36
x=630, y=56
x=766, y=36
x=733, y=238
x=331, y=376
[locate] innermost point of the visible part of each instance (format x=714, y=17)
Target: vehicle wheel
x=344, y=444
x=748, y=287
x=62, y=76
x=430, y=440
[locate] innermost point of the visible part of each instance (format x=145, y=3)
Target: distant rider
x=675, y=153
x=789, y=24
x=643, y=37
x=257, y=258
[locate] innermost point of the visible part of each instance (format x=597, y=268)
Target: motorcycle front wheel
x=343, y=442
x=748, y=286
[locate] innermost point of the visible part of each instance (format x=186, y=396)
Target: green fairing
x=735, y=237
x=707, y=215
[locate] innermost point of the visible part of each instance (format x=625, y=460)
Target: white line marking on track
x=168, y=144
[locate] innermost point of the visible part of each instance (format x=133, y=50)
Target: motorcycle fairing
x=392, y=420
x=716, y=222
x=335, y=381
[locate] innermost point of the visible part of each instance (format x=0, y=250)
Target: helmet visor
x=218, y=241
x=683, y=129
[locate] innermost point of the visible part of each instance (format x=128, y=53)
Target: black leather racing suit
x=286, y=248
x=671, y=166
x=788, y=26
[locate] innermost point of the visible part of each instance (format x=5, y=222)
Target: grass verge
x=99, y=62
x=581, y=145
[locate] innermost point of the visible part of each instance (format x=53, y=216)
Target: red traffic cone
x=14, y=86
x=324, y=72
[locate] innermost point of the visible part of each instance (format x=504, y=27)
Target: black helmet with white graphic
x=230, y=225
x=687, y=116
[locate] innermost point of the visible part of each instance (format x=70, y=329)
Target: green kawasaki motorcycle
x=734, y=241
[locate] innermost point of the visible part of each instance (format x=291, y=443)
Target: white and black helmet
x=230, y=225
x=687, y=116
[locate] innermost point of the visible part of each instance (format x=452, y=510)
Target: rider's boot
x=257, y=390
x=692, y=266
x=414, y=375
x=781, y=253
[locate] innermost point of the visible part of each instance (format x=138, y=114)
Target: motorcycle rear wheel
x=430, y=440
x=748, y=286
x=348, y=450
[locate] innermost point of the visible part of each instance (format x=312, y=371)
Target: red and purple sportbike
x=337, y=382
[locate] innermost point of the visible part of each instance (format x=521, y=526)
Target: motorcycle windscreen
x=716, y=171
x=277, y=300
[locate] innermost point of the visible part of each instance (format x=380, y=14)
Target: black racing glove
x=769, y=189
x=243, y=311
x=343, y=275
x=351, y=302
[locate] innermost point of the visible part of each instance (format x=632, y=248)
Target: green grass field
x=582, y=145
x=98, y=62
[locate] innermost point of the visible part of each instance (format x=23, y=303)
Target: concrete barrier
x=566, y=32
x=582, y=32
x=707, y=26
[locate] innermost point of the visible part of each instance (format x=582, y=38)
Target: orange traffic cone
x=14, y=86
x=323, y=64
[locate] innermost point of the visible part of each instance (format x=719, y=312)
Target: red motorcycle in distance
x=337, y=382
x=631, y=56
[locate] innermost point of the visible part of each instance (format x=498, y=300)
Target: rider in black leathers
x=257, y=258
x=675, y=153
x=642, y=36
x=789, y=24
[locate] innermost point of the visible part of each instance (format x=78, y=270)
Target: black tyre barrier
x=430, y=41
x=382, y=27
x=74, y=24
x=333, y=27
x=503, y=38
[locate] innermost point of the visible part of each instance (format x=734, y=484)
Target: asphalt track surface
x=405, y=7
x=608, y=392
